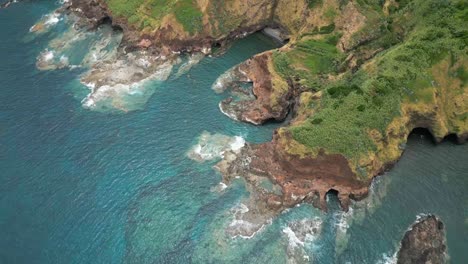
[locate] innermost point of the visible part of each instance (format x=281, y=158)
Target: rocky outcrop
x=424, y=242
x=272, y=94
x=300, y=179
x=91, y=12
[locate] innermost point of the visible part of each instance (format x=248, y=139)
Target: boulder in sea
x=424, y=242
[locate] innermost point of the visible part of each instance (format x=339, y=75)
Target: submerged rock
x=46, y=22
x=424, y=242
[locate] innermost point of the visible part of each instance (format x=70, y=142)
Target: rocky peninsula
x=356, y=77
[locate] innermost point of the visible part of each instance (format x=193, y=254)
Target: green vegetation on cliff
x=412, y=39
x=148, y=13
x=373, y=69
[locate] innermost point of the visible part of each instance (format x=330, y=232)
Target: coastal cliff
x=356, y=76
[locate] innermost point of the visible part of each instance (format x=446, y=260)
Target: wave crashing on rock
x=213, y=146
x=299, y=234
x=117, y=80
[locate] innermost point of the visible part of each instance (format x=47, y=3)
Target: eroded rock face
x=424, y=243
x=300, y=179
x=272, y=95
x=92, y=12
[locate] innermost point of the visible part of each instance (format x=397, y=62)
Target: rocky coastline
x=328, y=66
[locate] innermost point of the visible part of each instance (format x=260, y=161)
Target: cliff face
x=358, y=76
x=184, y=25
x=193, y=25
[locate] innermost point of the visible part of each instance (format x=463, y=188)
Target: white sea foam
x=240, y=227
x=213, y=146
x=64, y=60
x=52, y=19
x=245, y=229
x=238, y=144
x=343, y=221
x=230, y=115
x=46, y=22
x=292, y=238
x=222, y=186
x=303, y=231
x=192, y=61
x=223, y=81
x=387, y=259
x=46, y=60
x=119, y=96
x=301, y=234
x=48, y=55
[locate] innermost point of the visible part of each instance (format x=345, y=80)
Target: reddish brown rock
x=265, y=106
x=425, y=242
x=303, y=178
x=145, y=43
x=300, y=179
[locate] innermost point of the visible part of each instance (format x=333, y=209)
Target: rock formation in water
x=357, y=77
x=424, y=242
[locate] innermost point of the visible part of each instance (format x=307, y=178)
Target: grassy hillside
x=147, y=14
x=356, y=109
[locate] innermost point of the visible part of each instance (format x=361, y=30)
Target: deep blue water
x=80, y=186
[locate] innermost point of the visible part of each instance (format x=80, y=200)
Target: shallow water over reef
x=80, y=186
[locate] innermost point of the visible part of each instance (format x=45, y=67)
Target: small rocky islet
x=424, y=242
x=355, y=79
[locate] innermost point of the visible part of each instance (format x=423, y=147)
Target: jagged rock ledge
x=271, y=94
x=300, y=180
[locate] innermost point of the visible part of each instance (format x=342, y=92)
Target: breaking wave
x=388, y=259
x=123, y=83
x=46, y=23
x=121, y=96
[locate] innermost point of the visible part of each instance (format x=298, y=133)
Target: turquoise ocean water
x=82, y=186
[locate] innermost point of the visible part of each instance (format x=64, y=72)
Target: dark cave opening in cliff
x=107, y=20
x=427, y=134
x=333, y=203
